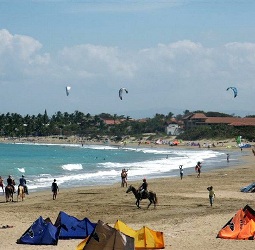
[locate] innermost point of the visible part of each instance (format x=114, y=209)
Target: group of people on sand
x=11, y=182
x=198, y=170
x=23, y=182
x=143, y=188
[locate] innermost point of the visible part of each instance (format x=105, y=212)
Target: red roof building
x=198, y=119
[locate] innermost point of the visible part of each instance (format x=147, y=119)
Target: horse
x=21, y=193
x=9, y=193
x=148, y=195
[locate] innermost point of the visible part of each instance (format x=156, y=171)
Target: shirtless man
x=124, y=177
x=2, y=183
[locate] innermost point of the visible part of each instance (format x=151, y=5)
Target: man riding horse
x=151, y=196
x=23, y=183
x=11, y=182
x=143, y=189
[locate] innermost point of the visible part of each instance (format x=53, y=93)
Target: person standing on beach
x=181, y=171
x=211, y=194
x=2, y=183
x=123, y=177
x=227, y=157
x=198, y=168
x=54, y=189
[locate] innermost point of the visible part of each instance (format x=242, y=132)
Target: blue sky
x=170, y=55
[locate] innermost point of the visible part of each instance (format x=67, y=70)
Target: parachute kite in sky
x=121, y=91
x=68, y=88
x=234, y=90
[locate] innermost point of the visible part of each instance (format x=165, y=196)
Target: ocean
x=75, y=165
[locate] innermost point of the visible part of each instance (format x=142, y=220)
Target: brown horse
x=149, y=195
x=9, y=193
x=21, y=193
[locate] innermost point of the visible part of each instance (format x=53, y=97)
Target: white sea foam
x=186, y=158
x=22, y=170
x=71, y=167
x=72, y=179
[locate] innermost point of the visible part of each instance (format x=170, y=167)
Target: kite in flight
x=234, y=90
x=68, y=88
x=121, y=91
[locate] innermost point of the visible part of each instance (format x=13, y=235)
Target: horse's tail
x=156, y=199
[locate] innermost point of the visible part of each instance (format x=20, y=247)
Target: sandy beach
x=183, y=213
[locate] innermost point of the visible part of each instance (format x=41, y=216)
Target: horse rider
x=23, y=183
x=143, y=188
x=10, y=182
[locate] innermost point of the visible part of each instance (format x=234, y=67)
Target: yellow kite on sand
x=145, y=238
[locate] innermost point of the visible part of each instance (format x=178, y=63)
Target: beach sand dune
x=183, y=212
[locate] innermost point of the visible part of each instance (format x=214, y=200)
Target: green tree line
x=86, y=125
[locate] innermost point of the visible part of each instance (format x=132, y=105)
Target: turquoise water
x=77, y=165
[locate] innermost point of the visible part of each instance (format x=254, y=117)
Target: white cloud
x=20, y=55
x=19, y=46
x=184, y=75
x=98, y=60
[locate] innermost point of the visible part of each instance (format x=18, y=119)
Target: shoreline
x=212, y=144
x=173, y=172
x=183, y=209
x=211, y=165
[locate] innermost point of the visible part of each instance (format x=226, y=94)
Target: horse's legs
x=7, y=195
x=149, y=204
x=138, y=203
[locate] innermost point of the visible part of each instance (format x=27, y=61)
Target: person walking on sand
x=181, y=171
x=211, y=194
x=198, y=168
x=54, y=189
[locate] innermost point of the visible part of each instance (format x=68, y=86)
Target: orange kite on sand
x=241, y=226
